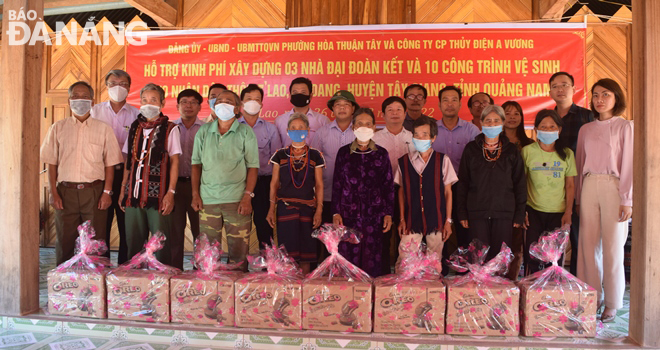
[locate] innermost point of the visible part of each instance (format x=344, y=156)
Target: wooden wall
x=608, y=44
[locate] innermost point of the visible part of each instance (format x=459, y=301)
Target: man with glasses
x=562, y=90
x=189, y=103
x=119, y=115
x=476, y=104
x=415, y=97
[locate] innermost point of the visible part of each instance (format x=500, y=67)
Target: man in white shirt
x=397, y=141
x=301, y=96
x=119, y=115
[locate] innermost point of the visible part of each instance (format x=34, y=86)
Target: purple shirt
x=187, y=137
x=329, y=139
x=268, y=140
x=316, y=121
x=452, y=142
x=119, y=122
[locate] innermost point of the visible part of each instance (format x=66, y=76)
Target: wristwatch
x=450, y=221
x=173, y=191
x=251, y=194
x=110, y=193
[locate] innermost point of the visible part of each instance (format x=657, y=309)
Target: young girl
x=297, y=189
x=604, y=189
x=550, y=169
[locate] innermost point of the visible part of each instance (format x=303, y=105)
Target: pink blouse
x=606, y=147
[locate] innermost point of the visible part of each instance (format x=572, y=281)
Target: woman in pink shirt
x=604, y=195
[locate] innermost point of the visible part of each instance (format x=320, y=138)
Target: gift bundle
x=554, y=302
x=412, y=301
x=481, y=303
x=337, y=296
x=77, y=286
x=205, y=296
x=270, y=299
x=140, y=289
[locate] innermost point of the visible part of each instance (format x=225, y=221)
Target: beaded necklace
x=293, y=168
x=496, y=151
x=136, y=140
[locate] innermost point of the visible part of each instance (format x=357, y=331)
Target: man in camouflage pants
x=225, y=163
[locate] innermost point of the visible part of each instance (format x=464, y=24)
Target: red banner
x=508, y=61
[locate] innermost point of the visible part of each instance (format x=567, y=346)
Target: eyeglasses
x=562, y=86
x=113, y=84
x=479, y=103
x=189, y=103
x=415, y=97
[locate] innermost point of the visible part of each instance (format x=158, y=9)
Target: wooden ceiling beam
x=163, y=12
x=550, y=9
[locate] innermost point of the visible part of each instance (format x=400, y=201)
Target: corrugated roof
x=599, y=7
x=114, y=16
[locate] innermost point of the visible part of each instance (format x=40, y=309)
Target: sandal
x=608, y=315
x=600, y=306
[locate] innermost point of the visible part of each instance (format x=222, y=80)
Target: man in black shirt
x=561, y=90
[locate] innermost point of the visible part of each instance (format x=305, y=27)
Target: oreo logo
x=389, y=302
x=64, y=285
x=317, y=299
x=459, y=304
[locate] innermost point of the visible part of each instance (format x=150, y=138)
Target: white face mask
x=224, y=111
x=80, y=107
x=252, y=107
x=363, y=134
x=117, y=93
x=149, y=111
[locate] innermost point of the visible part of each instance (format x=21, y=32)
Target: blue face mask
x=211, y=102
x=421, y=145
x=547, y=137
x=298, y=135
x=492, y=132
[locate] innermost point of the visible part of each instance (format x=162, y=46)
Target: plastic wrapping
x=270, y=299
x=140, y=289
x=205, y=296
x=554, y=302
x=337, y=296
x=77, y=286
x=479, y=302
x=412, y=301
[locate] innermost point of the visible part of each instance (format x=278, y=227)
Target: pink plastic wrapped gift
x=412, y=301
x=337, y=296
x=270, y=299
x=139, y=290
x=205, y=296
x=554, y=302
x=77, y=286
x=481, y=303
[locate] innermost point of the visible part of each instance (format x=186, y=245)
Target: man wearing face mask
x=119, y=115
x=268, y=140
x=189, y=103
x=333, y=136
x=225, y=166
x=81, y=154
x=214, y=90
x=151, y=174
x=301, y=96
x=476, y=104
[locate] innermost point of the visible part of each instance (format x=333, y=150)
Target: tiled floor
x=61, y=334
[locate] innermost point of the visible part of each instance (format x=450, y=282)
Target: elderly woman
x=492, y=191
x=604, y=195
x=150, y=173
x=297, y=189
x=363, y=194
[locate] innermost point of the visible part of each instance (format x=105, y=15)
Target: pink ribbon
x=207, y=258
x=88, y=251
x=472, y=260
x=146, y=259
x=336, y=265
x=277, y=263
x=418, y=264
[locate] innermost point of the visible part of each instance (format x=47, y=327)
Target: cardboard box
x=337, y=305
x=139, y=295
x=203, y=301
x=410, y=307
x=265, y=302
x=73, y=292
x=482, y=308
x=554, y=311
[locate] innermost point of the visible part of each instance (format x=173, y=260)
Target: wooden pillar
x=20, y=113
x=645, y=279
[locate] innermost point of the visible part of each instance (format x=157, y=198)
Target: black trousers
x=574, y=236
x=492, y=232
x=326, y=218
x=460, y=236
x=260, y=206
x=121, y=222
x=392, y=236
x=539, y=222
x=182, y=210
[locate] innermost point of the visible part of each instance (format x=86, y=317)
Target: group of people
x=485, y=179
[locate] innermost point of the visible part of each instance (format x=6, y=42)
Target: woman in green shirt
x=550, y=169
